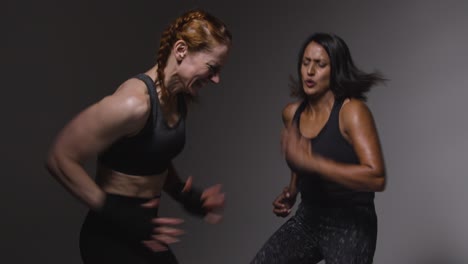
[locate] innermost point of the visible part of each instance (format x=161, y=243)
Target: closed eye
x=213, y=69
x=320, y=63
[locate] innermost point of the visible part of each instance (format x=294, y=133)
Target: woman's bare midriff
x=148, y=186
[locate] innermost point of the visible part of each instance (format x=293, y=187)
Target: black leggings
x=102, y=241
x=336, y=235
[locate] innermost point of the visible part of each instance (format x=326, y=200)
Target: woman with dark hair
x=331, y=145
x=135, y=133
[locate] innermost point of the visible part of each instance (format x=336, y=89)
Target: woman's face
x=199, y=68
x=315, y=70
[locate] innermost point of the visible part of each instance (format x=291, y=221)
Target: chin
x=193, y=91
x=309, y=91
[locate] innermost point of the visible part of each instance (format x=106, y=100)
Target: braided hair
x=199, y=29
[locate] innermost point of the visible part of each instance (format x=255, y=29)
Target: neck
x=321, y=103
x=171, y=83
x=152, y=73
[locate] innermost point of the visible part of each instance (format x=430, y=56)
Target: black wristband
x=191, y=200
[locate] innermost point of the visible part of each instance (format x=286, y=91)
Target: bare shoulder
x=288, y=112
x=132, y=84
x=121, y=114
x=355, y=113
x=131, y=100
x=352, y=106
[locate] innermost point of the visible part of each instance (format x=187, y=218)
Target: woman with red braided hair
x=135, y=133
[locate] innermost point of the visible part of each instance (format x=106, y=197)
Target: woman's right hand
x=283, y=204
x=165, y=232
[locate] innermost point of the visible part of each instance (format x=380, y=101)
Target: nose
x=311, y=70
x=215, y=78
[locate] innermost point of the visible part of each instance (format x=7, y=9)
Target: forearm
x=183, y=192
x=76, y=180
x=293, y=183
x=359, y=177
x=173, y=183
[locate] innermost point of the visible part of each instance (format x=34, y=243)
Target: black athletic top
x=330, y=143
x=152, y=149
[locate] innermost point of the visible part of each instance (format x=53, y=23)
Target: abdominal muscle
x=114, y=182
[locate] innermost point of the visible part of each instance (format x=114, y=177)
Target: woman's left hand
x=213, y=201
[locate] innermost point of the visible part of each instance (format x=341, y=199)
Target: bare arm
x=357, y=124
x=284, y=202
x=90, y=132
x=173, y=182
x=288, y=114
x=208, y=202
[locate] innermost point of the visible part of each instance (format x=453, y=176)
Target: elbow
x=379, y=184
x=375, y=181
x=50, y=163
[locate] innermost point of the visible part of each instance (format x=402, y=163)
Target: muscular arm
x=284, y=202
x=89, y=133
x=287, y=115
x=358, y=127
x=173, y=182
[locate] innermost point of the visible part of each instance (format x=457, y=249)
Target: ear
x=180, y=50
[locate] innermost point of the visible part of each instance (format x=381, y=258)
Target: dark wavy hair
x=346, y=80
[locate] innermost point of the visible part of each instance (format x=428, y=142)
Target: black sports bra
x=330, y=143
x=152, y=149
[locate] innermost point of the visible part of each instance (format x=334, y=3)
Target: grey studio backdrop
x=62, y=56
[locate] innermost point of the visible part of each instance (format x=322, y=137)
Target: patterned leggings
x=336, y=235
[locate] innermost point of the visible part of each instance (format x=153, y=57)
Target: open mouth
x=309, y=83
